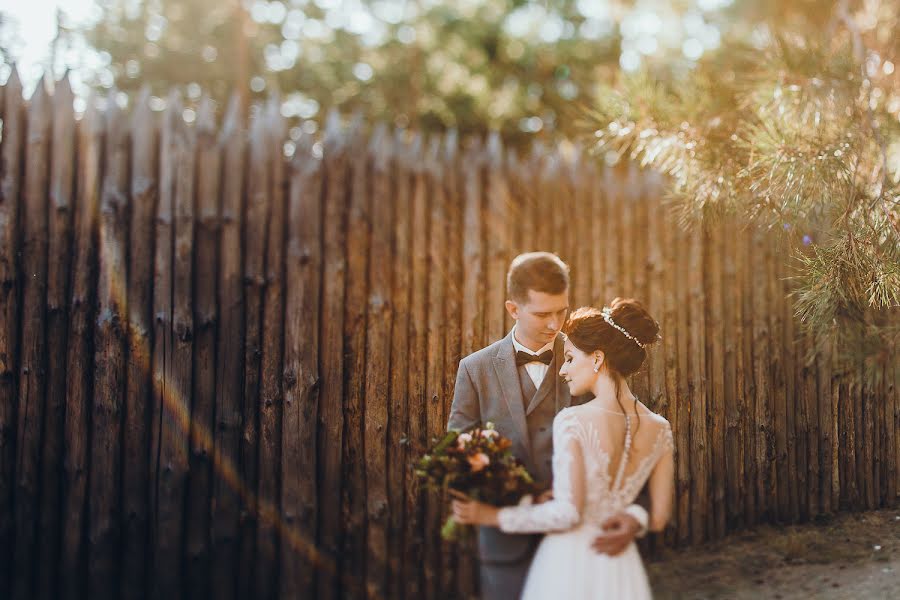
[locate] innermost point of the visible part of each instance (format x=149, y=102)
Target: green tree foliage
x=795, y=126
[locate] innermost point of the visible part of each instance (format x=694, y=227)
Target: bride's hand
x=471, y=512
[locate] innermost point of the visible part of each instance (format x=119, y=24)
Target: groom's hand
x=619, y=531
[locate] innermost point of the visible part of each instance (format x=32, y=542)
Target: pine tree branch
x=861, y=52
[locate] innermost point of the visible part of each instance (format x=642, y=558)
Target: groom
x=514, y=383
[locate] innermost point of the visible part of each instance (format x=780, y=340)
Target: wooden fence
x=219, y=353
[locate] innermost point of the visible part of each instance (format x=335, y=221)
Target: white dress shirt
x=536, y=370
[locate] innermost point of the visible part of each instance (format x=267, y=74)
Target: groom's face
x=539, y=319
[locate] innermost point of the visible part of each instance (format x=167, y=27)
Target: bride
x=604, y=452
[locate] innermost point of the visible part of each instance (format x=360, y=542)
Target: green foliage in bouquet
x=478, y=463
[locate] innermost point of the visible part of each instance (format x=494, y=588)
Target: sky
x=31, y=31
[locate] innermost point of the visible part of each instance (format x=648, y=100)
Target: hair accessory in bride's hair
x=607, y=316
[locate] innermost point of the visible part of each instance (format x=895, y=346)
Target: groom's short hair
x=539, y=271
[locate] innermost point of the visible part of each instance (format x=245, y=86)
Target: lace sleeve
x=564, y=511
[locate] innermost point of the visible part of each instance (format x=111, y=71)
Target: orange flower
x=479, y=461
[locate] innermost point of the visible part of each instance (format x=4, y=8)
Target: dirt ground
x=853, y=556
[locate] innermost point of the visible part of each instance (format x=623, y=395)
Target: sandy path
x=850, y=556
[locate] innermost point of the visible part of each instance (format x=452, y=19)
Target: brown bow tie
x=523, y=358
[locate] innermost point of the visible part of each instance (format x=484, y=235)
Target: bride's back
x=619, y=451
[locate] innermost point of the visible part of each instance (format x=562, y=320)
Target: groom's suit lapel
x=552, y=384
x=508, y=375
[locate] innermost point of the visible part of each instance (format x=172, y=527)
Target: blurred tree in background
x=495, y=64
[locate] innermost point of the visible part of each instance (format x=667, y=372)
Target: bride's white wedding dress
x=601, y=461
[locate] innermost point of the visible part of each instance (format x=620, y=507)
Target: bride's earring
x=596, y=367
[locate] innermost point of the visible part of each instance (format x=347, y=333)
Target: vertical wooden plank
x=848, y=428
x=811, y=394
x=80, y=356
x=454, y=569
x=863, y=438
x=225, y=508
x=780, y=496
x=377, y=365
x=144, y=189
x=597, y=220
x=835, y=406
x=638, y=250
x=397, y=410
x=553, y=198
x=869, y=437
x=435, y=422
x=354, y=482
x=700, y=468
x=613, y=285
x=62, y=170
x=846, y=434
x=169, y=438
x=892, y=449
x=657, y=398
x=11, y=149
x=855, y=467
x=183, y=356
x=733, y=379
x=271, y=396
x=628, y=179
x=415, y=498
x=255, y=235
x=183, y=313
x=686, y=407
x=676, y=402
x=892, y=380
x=331, y=418
x=793, y=398
x=299, y=557
x=32, y=369
x=473, y=270
x=804, y=484
x=205, y=315
x=523, y=198
x=824, y=429
x=583, y=242
x=879, y=404
x=564, y=205
x=540, y=182
x=518, y=214
x=104, y=510
x=496, y=232
x=761, y=352
x=715, y=367
x=746, y=270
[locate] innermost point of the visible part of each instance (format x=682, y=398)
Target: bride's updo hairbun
x=590, y=331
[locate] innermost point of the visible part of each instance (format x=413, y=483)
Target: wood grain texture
x=32, y=375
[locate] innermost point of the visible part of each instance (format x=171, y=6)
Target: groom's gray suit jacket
x=490, y=388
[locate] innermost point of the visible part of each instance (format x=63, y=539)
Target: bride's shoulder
x=654, y=418
x=567, y=417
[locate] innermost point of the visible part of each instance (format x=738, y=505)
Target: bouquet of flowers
x=478, y=463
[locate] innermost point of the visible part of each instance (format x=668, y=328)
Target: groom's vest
x=539, y=418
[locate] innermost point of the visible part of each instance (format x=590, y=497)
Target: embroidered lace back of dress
x=619, y=455
x=600, y=463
